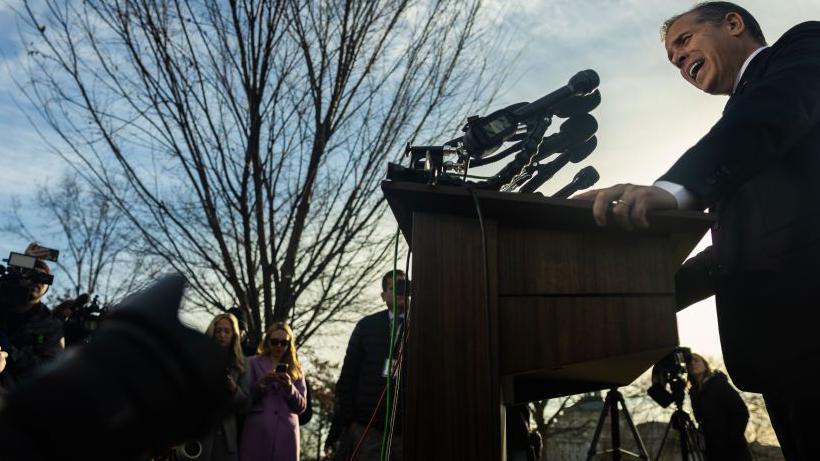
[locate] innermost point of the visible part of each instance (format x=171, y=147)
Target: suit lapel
x=753, y=71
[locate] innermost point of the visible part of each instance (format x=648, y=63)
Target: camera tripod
x=689, y=441
x=613, y=398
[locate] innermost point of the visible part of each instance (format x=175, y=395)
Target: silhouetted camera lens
x=143, y=383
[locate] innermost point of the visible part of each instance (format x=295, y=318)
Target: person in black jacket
x=360, y=399
x=757, y=170
x=31, y=335
x=720, y=411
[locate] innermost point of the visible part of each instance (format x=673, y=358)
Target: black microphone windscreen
x=584, y=82
x=587, y=177
x=579, y=152
x=578, y=105
x=82, y=300
x=579, y=128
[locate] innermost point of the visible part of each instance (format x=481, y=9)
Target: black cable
x=486, y=275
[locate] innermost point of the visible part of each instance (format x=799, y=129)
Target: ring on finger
x=622, y=202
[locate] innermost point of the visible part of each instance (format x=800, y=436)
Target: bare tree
x=98, y=251
x=322, y=383
x=245, y=141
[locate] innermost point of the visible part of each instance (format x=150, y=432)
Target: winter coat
x=722, y=417
x=271, y=429
x=33, y=338
x=362, y=380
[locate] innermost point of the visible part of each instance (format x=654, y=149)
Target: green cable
x=383, y=455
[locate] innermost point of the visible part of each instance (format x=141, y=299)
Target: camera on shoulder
x=22, y=274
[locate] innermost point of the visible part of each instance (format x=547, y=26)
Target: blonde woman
x=222, y=443
x=277, y=389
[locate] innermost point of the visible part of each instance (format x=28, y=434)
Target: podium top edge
x=405, y=198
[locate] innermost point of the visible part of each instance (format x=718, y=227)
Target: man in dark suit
x=758, y=171
x=361, y=388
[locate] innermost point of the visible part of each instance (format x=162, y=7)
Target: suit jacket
x=361, y=381
x=758, y=170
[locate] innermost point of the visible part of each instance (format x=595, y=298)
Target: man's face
x=387, y=295
x=38, y=290
x=708, y=55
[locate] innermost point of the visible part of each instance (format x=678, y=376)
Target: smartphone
x=281, y=368
x=41, y=252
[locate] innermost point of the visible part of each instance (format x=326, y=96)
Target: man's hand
x=629, y=204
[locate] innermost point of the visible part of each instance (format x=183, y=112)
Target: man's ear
x=734, y=23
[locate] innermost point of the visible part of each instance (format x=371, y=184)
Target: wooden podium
x=559, y=306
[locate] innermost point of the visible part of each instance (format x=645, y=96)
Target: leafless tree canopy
x=246, y=140
x=98, y=252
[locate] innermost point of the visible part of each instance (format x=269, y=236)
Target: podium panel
x=545, y=304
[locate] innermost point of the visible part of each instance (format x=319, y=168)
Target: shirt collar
x=745, y=65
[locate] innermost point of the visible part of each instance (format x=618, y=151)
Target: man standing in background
x=360, y=391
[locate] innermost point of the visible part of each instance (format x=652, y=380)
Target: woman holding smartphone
x=277, y=389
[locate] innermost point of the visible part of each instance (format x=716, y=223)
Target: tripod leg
x=663, y=440
x=695, y=450
x=684, y=443
x=592, y=447
x=641, y=448
x=615, y=428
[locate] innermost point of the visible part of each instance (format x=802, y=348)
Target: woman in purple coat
x=277, y=388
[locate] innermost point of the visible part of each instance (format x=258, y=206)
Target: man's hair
x=388, y=277
x=715, y=13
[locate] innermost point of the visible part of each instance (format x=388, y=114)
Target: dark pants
x=369, y=447
x=770, y=332
x=794, y=408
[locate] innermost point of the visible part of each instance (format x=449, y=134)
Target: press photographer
x=28, y=331
x=719, y=410
x=80, y=318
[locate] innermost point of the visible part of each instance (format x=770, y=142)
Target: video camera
x=85, y=319
x=19, y=276
x=669, y=378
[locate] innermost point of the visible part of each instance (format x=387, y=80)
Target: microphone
x=580, y=84
x=578, y=105
x=584, y=179
x=484, y=135
x=575, y=130
x=574, y=154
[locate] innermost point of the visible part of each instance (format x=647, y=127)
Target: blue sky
x=648, y=116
